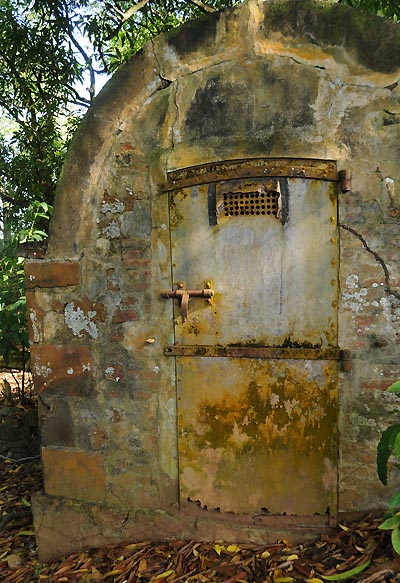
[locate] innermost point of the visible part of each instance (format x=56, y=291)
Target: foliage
x=118, y=29
x=49, y=50
x=388, y=446
x=14, y=345
x=387, y=8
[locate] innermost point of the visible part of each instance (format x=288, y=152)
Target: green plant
x=388, y=446
x=14, y=344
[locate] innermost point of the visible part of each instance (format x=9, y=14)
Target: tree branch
x=20, y=460
x=78, y=99
x=203, y=7
x=12, y=516
x=127, y=15
x=14, y=202
x=88, y=63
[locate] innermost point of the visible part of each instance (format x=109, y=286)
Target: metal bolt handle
x=184, y=294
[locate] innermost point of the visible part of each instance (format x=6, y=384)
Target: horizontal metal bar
x=251, y=168
x=193, y=293
x=255, y=352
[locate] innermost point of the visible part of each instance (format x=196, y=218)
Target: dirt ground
x=356, y=552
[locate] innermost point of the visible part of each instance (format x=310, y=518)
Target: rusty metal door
x=254, y=263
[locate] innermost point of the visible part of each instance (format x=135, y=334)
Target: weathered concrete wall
x=266, y=79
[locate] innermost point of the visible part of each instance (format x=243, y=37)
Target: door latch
x=183, y=296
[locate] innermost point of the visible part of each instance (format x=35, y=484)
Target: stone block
x=51, y=273
x=137, y=221
x=57, y=425
x=35, y=316
x=66, y=369
x=73, y=474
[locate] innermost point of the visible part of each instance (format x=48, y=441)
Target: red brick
x=98, y=437
x=129, y=301
x=73, y=474
x=57, y=306
x=121, y=316
x=87, y=306
x=117, y=333
x=64, y=369
x=126, y=197
x=135, y=243
x=138, y=265
x=127, y=147
x=114, y=373
x=139, y=286
x=51, y=273
x=113, y=283
x=128, y=254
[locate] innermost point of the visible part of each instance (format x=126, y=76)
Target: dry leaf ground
x=352, y=546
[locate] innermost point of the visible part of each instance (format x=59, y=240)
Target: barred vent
x=251, y=203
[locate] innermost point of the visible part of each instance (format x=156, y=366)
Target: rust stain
x=268, y=416
x=266, y=425
x=175, y=216
x=232, y=169
x=250, y=350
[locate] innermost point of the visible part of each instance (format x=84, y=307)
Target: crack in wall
x=164, y=81
x=176, y=115
x=124, y=521
x=388, y=288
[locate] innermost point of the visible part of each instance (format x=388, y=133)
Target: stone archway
x=262, y=81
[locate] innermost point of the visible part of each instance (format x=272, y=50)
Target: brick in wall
x=73, y=474
x=66, y=369
x=51, y=274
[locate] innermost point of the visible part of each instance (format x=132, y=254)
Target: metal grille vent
x=251, y=203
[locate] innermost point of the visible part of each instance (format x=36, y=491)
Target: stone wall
x=265, y=79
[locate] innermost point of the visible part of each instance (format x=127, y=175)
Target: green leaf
x=385, y=450
x=395, y=502
x=347, y=574
x=390, y=523
x=396, y=446
x=394, y=388
x=396, y=540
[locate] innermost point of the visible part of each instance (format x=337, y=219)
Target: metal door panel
x=257, y=433
x=274, y=284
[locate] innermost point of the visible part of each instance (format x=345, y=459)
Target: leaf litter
x=356, y=552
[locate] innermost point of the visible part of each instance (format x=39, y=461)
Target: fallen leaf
x=347, y=574
x=113, y=572
x=164, y=575
x=233, y=549
x=14, y=561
